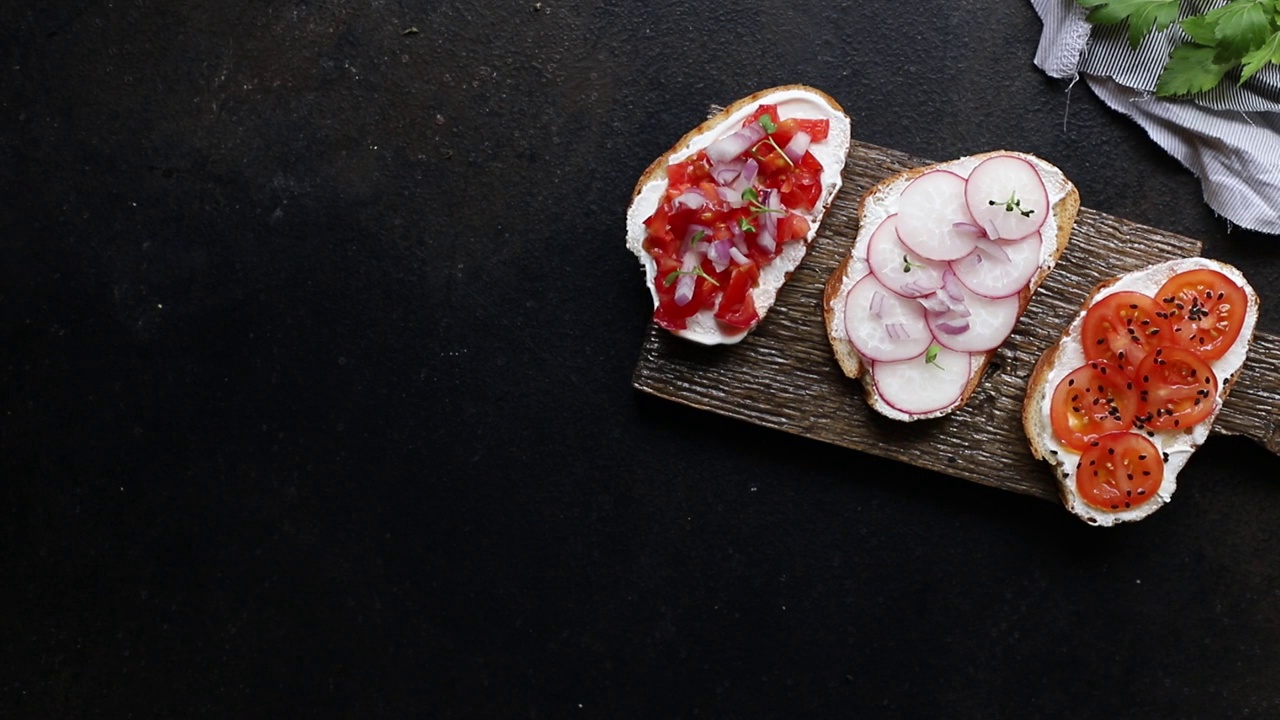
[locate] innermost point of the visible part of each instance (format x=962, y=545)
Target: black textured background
x=316, y=341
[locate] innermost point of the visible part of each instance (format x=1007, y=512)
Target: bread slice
x=793, y=101
x=1068, y=354
x=880, y=202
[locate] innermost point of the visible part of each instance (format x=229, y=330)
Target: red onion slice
x=685, y=282
x=877, y=303
x=750, y=169
x=992, y=248
x=897, y=331
x=797, y=147
x=970, y=228
x=951, y=285
x=692, y=198
x=952, y=327
x=726, y=172
x=692, y=232
x=718, y=254
x=731, y=146
x=737, y=256
x=935, y=302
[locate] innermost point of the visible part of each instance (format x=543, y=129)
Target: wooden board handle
x=1253, y=407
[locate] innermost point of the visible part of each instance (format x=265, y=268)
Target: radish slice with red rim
x=989, y=322
x=928, y=382
x=883, y=325
x=896, y=267
x=1007, y=197
x=995, y=276
x=932, y=216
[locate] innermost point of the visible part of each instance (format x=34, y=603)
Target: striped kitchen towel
x=1229, y=137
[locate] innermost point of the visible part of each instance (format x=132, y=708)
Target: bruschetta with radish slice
x=1132, y=388
x=946, y=259
x=720, y=221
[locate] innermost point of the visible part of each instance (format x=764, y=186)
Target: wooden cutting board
x=783, y=375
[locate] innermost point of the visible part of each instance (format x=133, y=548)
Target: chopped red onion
x=718, y=254
x=992, y=248
x=951, y=285
x=877, y=303
x=692, y=198
x=750, y=169
x=969, y=229
x=797, y=147
x=935, y=303
x=731, y=146
x=693, y=231
x=772, y=202
x=726, y=172
x=952, y=327
x=739, y=239
x=914, y=289
x=737, y=256
x=685, y=283
x=897, y=331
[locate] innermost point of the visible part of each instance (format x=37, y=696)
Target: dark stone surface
x=315, y=395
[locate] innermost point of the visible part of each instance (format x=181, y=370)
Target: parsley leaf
x=1142, y=16
x=1253, y=61
x=931, y=356
x=767, y=123
x=1242, y=25
x=1191, y=69
x=1242, y=33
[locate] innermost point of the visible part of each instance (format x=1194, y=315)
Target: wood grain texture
x=784, y=376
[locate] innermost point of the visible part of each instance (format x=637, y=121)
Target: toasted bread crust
x=1065, y=211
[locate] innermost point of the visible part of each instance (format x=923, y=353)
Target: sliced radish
x=1007, y=197
x=1003, y=271
x=883, y=325
x=896, y=267
x=926, y=383
x=929, y=209
x=989, y=321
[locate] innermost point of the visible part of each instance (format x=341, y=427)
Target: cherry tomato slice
x=1093, y=400
x=1122, y=328
x=1176, y=389
x=1206, y=310
x=1119, y=471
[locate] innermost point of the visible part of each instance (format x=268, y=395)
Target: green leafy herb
x=745, y=225
x=671, y=276
x=931, y=356
x=1243, y=34
x=907, y=264
x=1012, y=204
x=697, y=237
x=767, y=123
x=750, y=195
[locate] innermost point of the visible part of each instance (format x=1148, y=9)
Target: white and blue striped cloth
x=1229, y=137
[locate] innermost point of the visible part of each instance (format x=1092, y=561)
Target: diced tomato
x=737, y=308
x=792, y=227
x=762, y=110
x=787, y=129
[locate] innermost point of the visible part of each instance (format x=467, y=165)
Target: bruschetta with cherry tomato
x=1131, y=390
x=720, y=221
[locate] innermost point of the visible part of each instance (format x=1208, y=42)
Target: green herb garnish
x=907, y=264
x=1242, y=34
x=1012, y=204
x=931, y=356
x=767, y=123
x=750, y=195
x=697, y=237
x=671, y=276
x=745, y=225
